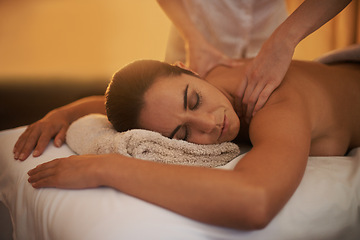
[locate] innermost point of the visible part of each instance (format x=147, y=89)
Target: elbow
x=261, y=216
x=260, y=221
x=257, y=215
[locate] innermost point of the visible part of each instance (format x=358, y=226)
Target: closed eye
x=182, y=133
x=192, y=101
x=196, y=102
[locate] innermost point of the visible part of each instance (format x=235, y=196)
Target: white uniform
x=237, y=28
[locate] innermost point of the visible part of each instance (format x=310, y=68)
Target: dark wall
x=24, y=101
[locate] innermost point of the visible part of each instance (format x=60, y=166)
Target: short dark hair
x=125, y=92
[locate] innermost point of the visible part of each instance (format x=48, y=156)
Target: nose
x=203, y=122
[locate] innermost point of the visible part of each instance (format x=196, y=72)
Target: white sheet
x=325, y=206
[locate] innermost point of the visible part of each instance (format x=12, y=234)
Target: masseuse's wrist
x=288, y=34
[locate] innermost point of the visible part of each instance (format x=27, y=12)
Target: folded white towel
x=94, y=134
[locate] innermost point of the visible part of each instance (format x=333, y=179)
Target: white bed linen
x=325, y=206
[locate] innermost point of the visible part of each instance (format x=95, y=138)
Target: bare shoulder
x=283, y=121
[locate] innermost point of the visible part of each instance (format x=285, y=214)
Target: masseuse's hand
x=38, y=135
x=201, y=57
x=74, y=172
x=262, y=76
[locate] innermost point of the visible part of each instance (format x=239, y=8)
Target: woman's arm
x=54, y=125
x=201, y=56
x=269, y=67
x=246, y=198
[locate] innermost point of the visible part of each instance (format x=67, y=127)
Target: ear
x=183, y=66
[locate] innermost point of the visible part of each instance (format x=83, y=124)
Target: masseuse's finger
x=239, y=97
x=253, y=99
x=263, y=97
x=247, y=99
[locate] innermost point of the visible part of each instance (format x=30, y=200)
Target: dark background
x=25, y=101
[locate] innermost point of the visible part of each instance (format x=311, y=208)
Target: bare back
x=331, y=94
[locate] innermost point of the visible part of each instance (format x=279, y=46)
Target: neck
x=227, y=79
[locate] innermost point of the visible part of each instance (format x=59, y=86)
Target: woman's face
x=188, y=108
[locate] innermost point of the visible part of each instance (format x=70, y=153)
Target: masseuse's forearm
x=308, y=17
x=213, y=196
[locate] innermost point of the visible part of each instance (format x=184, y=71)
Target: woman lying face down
x=314, y=111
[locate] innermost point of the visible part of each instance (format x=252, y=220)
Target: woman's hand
x=201, y=57
x=38, y=135
x=54, y=125
x=263, y=75
x=74, y=172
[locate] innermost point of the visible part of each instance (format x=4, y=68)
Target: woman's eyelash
x=186, y=133
x=196, y=105
x=198, y=101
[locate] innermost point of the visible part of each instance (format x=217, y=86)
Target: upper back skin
x=331, y=95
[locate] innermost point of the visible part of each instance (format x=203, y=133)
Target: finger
x=33, y=178
x=47, y=178
x=263, y=97
x=21, y=142
x=44, y=166
x=29, y=144
x=253, y=100
x=246, y=99
x=239, y=96
x=42, y=143
x=42, y=174
x=44, y=183
x=60, y=137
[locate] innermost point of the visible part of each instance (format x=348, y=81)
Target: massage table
x=326, y=205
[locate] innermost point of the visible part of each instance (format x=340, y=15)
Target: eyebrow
x=185, y=96
x=185, y=106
